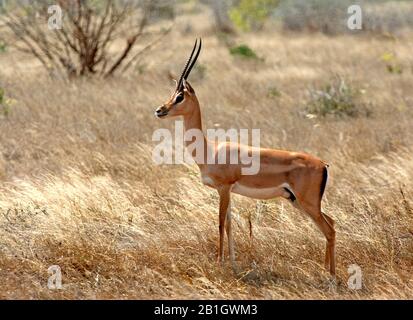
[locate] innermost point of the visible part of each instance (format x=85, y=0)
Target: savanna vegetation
x=79, y=189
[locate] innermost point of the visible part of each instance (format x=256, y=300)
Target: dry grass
x=121, y=227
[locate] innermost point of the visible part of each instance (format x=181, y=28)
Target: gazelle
x=299, y=177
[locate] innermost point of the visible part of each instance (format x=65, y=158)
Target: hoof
x=332, y=284
x=234, y=267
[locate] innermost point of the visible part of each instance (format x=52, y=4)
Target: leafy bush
x=336, y=98
x=251, y=14
x=243, y=51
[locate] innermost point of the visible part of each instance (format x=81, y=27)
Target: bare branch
x=88, y=32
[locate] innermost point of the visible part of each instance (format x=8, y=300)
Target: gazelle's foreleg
x=224, y=203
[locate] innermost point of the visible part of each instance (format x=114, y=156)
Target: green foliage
x=273, y=92
x=392, y=65
x=3, y=47
x=2, y=96
x=336, y=99
x=251, y=14
x=397, y=69
x=140, y=68
x=5, y=103
x=243, y=51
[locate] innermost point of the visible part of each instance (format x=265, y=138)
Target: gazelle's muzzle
x=162, y=111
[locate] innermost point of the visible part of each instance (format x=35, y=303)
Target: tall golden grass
x=78, y=187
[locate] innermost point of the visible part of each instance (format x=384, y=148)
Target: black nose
x=161, y=112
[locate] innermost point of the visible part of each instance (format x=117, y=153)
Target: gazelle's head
x=183, y=101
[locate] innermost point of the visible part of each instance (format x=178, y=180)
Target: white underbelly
x=260, y=193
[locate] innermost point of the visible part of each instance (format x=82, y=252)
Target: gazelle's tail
x=324, y=181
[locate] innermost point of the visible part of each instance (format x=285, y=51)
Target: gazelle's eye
x=179, y=98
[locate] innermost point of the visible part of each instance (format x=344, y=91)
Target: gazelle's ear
x=171, y=76
x=188, y=87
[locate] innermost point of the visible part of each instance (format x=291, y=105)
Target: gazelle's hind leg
x=224, y=202
x=326, y=225
x=330, y=254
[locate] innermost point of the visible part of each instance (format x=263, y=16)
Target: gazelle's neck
x=193, y=122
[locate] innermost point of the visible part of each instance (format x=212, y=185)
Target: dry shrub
x=337, y=99
x=330, y=17
x=80, y=44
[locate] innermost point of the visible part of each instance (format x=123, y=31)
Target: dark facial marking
x=179, y=98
